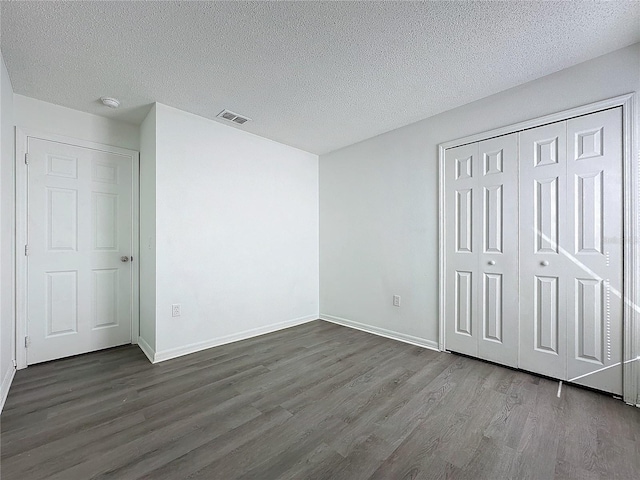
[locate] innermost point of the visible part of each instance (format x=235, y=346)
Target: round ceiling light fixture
x=110, y=102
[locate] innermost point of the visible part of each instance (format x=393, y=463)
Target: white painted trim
x=6, y=385
x=441, y=253
x=21, y=172
x=135, y=247
x=11, y=220
x=76, y=142
x=235, y=337
x=631, y=249
x=21, y=180
x=382, y=332
x=619, y=101
x=146, y=349
x=631, y=268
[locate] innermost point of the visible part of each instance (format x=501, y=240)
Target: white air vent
x=233, y=117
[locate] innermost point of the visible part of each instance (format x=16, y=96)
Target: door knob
x=124, y=259
x=544, y=263
x=492, y=262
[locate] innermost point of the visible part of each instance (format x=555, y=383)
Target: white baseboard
x=383, y=332
x=146, y=349
x=6, y=385
x=215, y=342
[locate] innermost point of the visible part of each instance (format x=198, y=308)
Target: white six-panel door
x=534, y=257
x=79, y=236
x=481, y=293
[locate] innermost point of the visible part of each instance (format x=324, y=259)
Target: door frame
x=22, y=192
x=631, y=225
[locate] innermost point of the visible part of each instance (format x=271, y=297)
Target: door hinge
x=26, y=159
x=27, y=342
x=26, y=250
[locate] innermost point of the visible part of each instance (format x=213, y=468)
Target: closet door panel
x=461, y=249
x=497, y=220
x=594, y=249
x=542, y=281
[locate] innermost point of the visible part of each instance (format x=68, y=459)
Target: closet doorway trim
x=631, y=225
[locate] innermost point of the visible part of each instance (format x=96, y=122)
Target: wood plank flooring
x=317, y=401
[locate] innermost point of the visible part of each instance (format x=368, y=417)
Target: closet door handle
x=491, y=262
x=544, y=263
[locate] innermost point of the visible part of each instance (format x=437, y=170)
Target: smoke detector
x=233, y=117
x=110, y=102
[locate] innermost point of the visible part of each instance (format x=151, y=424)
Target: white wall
x=47, y=117
x=379, y=199
x=147, y=338
x=236, y=233
x=7, y=209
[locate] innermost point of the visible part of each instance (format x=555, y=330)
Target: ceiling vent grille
x=233, y=117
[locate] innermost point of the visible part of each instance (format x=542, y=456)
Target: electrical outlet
x=175, y=310
x=396, y=300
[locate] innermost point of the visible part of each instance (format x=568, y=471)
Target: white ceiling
x=314, y=75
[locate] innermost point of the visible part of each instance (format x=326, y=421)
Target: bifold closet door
x=571, y=250
x=595, y=264
x=482, y=251
x=461, y=200
x=543, y=219
x=497, y=221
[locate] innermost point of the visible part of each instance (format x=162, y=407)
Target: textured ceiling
x=314, y=75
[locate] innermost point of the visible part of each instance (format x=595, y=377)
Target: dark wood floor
x=316, y=401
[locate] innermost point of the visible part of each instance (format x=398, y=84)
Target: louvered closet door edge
x=631, y=251
x=631, y=247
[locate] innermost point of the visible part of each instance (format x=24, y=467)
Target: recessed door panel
x=492, y=308
x=546, y=151
x=589, y=215
x=105, y=298
x=464, y=167
x=104, y=172
x=546, y=215
x=589, y=319
x=62, y=303
x=60, y=166
x=464, y=306
x=546, y=314
x=105, y=221
x=62, y=219
x=493, y=218
x=464, y=226
x=588, y=143
x=493, y=161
